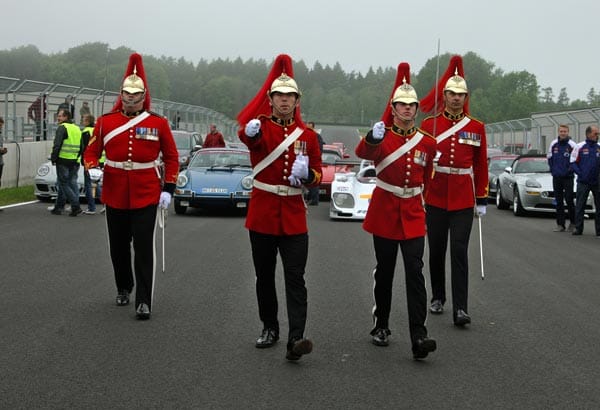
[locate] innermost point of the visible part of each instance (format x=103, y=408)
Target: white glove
x=481, y=210
x=300, y=167
x=378, y=130
x=252, y=128
x=165, y=200
x=294, y=181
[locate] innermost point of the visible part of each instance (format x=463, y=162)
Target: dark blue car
x=215, y=178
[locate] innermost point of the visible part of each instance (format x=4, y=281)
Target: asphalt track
x=533, y=342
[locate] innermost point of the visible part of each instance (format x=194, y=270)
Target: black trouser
x=583, y=191
x=563, y=192
x=294, y=253
x=386, y=252
x=138, y=226
x=458, y=223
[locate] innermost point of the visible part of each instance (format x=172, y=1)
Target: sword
x=481, y=249
x=162, y=221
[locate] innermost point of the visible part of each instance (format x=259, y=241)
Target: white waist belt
x=281, y=190
x=131, y=165
x=399, y=191
x=450, y=170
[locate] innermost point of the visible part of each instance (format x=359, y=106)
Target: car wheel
x=517, y=207
x=500, y=202
x=179, y=209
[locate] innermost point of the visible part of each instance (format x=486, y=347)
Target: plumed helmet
x=402, y=92
x=456, y=84
x=405, y=94
x=134, y=81
x=284, y=84
x=453, y=80
x=279, y=79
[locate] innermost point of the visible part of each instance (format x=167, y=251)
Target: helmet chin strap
x=397, y=115
x=278, y=111
x=132, y=103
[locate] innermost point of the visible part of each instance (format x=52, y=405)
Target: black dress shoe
x=267, y=338
x=461, y=318
x=297, y=348
x=142, y=312
x=75, y=211
x=380, y=337
x=437, y=307
x=422, y=347
x=122, y=298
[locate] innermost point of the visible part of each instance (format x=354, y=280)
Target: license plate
x=241, y=205
x=184, y=203
x=214, y=190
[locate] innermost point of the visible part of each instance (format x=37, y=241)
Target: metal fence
x=535, y=133
x=29, y=109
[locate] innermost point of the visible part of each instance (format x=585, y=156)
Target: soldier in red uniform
x=403, y=157
x=136, y=141
x=285, y=155
x=459, y=184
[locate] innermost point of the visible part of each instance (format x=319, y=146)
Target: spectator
x=66, y=152
x=559, y=155
x=67, y=105
x=313, y=191
x=3, y=149
x=37, y=112
x=176, y=120
x=585, y=161
x=86, y=134
x=84, y=110
x=269, y=125
x=214, y=139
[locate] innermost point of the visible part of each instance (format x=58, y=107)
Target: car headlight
x=43, y=170
x=493, y=180
x=184, y=159
x=182, y=180
x=532, y=183
x=247, y=182
x=342, y=200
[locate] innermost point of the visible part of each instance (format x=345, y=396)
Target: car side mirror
x=196, y=148
x=508, y=169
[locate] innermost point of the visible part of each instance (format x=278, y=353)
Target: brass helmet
x=284, y=84
x=133, y=83
x=456, y=84
x=405, y=94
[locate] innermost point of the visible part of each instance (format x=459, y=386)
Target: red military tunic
x=269, y=213
x=389, y=215
x=142, y=143
x=465, y=148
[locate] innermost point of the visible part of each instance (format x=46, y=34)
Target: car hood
x=222, y=178
x=545, y=179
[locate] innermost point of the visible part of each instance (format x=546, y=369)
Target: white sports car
x=351, y=191
x=46, y=186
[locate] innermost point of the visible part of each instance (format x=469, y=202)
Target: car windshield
x=531, y=165
x=329, y=157
x=182, y=140
x=211, y=158
x=498, y=165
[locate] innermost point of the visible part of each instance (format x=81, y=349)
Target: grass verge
x=15, y=195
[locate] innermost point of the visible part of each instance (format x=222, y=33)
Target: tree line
x=330, y=95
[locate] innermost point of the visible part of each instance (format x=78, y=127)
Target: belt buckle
x=282, y=190
x=128, y=165
x=454, y=170
x=409, y=191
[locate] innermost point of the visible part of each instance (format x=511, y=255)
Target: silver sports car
x=527, y=186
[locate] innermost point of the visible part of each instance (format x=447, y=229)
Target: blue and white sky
x=555, y=40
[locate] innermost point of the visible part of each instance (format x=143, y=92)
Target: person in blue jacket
x=585, y=161
x=559, y=159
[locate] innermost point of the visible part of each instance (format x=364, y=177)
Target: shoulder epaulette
x=474, y=119
x=425, y=133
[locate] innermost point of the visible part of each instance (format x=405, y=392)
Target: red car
x=332, y=153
